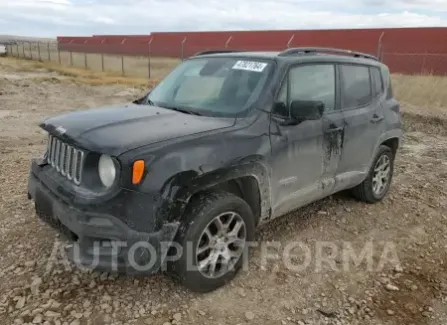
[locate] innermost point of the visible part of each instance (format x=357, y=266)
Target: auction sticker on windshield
x=250, y=66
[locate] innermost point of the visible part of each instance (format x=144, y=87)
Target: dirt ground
x=408, y=227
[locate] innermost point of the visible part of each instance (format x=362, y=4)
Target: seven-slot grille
x=66, y=159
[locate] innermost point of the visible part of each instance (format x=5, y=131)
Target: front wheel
x=214, y=235
x=377, y=184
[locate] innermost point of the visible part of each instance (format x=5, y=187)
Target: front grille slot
x=66, y=159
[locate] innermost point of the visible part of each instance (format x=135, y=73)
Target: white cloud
x=84, y=17
x=61, y=2
x=416, y=4
x=35, y=4
x=432, y=5
x=104, y=20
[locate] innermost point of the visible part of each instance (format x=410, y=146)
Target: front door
x=303, y=165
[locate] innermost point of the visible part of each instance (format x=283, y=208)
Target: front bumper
x=100, y=241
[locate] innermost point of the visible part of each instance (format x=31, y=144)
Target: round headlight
x=106, y=170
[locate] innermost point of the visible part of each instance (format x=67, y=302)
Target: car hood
x=116, y=129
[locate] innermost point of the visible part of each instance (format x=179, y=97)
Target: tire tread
x=363, y=191
x=197, y=208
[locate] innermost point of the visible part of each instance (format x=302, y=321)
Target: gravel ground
x=405, y=282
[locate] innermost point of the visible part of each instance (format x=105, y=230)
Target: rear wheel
x=214, y=235
x=377, y=184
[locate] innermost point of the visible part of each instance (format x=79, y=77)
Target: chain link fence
x=124, y=65
x=149, y=66
x=416, y=63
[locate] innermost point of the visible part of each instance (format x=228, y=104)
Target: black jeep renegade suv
x=183, y=176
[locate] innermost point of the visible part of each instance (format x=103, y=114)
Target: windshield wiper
x=143, y=101
x=182, y=110
x=149, y=102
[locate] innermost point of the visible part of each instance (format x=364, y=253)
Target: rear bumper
x=101, y=241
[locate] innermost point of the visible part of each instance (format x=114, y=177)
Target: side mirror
x=303, y=110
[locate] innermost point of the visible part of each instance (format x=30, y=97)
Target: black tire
x=200, y=212
x=364, y=192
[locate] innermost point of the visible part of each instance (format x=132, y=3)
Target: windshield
x=212, y=86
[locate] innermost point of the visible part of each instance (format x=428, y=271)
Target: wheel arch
x=250, y=182
x=245, y=187
x=391, y=139
x=393, y=143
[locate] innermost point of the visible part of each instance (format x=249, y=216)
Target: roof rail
x=306, y=50
x=216, y=52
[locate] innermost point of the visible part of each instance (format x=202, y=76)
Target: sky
x=50, y=18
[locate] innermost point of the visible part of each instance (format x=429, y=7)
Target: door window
x=313, y=82
x=356, y=86
x=310, y=82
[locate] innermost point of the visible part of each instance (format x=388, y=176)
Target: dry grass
x=94, y=77
x=85, y=76
x=134, y=66
x=422, y=91
x=424, y=102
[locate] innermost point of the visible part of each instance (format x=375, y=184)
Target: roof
x=253, y=54
x=346, y=57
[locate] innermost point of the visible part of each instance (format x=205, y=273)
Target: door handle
x=376, y=118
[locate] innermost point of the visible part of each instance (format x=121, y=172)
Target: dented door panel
x=333, y=136
x=297, y=153
x=360, y=137
x=359, y=142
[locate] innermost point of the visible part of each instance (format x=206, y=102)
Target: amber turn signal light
x=137, y=171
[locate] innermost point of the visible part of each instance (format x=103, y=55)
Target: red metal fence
x=404, y=50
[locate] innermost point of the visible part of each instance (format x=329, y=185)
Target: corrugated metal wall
x=405, y=50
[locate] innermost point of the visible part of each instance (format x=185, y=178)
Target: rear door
x=364, y=119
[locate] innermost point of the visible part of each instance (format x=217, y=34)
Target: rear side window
x=387, y=79
x=356, y=86
x=377, y=83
